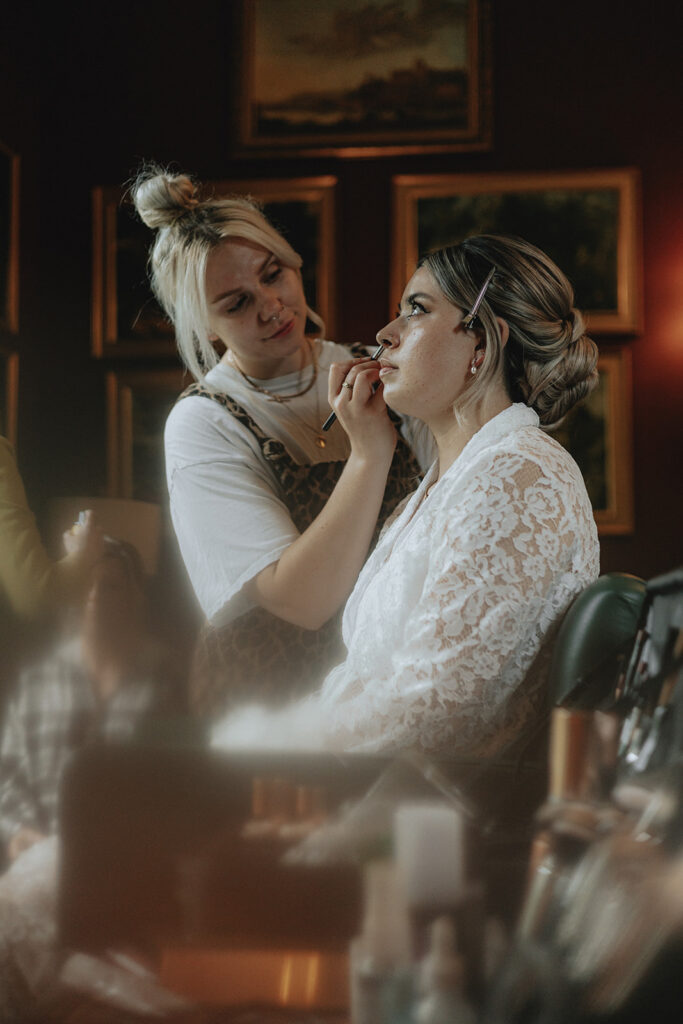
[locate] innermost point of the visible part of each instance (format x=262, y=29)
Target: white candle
x=429, y=853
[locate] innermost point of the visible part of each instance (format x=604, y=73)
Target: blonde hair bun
x=161, y=198
x=553, y=387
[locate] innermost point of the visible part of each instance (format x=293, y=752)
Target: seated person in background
x=97, y=685
x=31, y=584
x=29, y=581
x=449, y=624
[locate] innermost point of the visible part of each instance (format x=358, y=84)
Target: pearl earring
x=473, y=368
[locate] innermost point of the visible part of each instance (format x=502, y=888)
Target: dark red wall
x=95, y=88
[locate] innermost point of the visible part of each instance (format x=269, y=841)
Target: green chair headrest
x=598, y=627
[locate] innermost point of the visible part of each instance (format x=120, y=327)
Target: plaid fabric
x=54, y=712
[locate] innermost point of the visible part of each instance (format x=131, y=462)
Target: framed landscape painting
x=126, y=318
x=598, y=433
x=364, y=77
x=138, y=402
x=587, y=221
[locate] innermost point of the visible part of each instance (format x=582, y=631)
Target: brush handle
x=332, y=417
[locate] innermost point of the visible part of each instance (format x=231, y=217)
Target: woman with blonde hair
x=273, y=515
x=449, y=625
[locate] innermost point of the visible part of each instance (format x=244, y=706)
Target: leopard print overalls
x=259, y=657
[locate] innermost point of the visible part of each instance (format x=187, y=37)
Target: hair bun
x=161, y=198
x=563, y=382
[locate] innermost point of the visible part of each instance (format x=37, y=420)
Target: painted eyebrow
x=235, y=291
x=414, y=298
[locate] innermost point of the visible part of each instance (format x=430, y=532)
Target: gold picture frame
x=599, y=434
x=138, y=402
x=587, y=221
x=364, y=79
x=9, y=240
x=9, y=393
x=126, y=319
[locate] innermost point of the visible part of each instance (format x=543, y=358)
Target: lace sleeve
x=461, y=607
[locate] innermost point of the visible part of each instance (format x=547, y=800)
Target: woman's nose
x=387, y=336
x=271, y=307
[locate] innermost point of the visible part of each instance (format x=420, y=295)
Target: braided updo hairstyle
x=188, y=228
x=549, y=362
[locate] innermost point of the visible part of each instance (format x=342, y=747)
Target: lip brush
x=332, y=417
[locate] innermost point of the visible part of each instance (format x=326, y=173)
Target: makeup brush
x=332, y=417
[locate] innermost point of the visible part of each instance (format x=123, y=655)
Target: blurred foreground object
x=601, y=930
x=137, y=522
x=29, y=580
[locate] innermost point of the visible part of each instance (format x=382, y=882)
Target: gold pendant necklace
x=271, y=394
x=320, y=441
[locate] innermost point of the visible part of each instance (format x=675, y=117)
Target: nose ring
x=276, y=316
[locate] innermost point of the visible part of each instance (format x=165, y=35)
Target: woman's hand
x=85, y=541
x=24, y=838
x=355, y=394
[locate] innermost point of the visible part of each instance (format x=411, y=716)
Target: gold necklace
x=319, y=436
x=283, y=399
x=280, y=398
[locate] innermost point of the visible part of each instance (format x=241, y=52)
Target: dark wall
x=95, y=88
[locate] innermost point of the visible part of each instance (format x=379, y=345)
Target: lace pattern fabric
x=448, y=627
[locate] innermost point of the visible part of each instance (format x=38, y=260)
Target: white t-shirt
x=449, y=615
x=226, y=504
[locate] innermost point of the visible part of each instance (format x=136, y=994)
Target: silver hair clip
x=470, y=317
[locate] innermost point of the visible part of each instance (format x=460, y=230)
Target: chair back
x=594, y=639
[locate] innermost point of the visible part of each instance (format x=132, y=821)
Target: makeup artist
x=274, y=516
x=450, y=623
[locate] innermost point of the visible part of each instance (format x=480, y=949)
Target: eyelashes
x=415, y=307
x=270, y=277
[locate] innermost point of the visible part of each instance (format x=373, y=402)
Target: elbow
x=292, y=604
x=304, y=618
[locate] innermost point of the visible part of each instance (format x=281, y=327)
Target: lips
x=386, y=368
x=285, y=329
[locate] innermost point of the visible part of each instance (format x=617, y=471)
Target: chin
x=400, y=404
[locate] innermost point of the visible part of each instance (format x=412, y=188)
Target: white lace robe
x=450, y=621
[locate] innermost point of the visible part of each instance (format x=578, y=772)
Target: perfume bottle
x=380, y=961
x=441, y=981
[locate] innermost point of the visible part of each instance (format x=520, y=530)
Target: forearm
x=36, y=584
x=32, y=582
x=317, y=572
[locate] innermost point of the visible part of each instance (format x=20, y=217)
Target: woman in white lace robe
x=448, y=627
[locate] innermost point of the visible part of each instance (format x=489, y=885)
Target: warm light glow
x=286, y=980
x=312, y=978
x=231, y=977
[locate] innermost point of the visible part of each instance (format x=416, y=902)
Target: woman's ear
x=504, y=328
